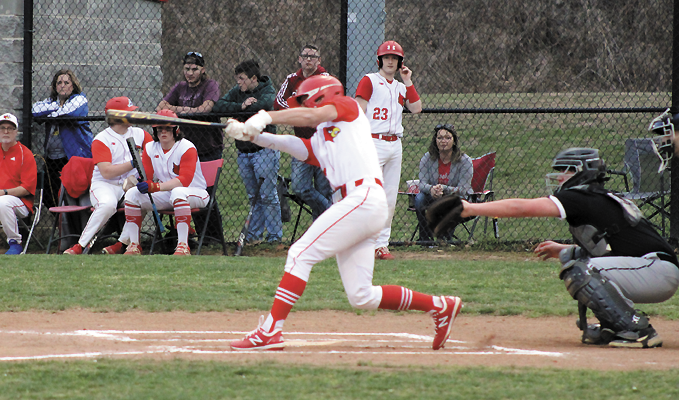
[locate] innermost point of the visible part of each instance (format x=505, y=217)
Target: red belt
x=387, y=138
x=357, y=183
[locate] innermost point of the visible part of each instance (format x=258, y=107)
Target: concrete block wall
x=11, y=62
x=113, y=48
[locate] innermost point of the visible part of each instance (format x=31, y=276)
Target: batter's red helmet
x=316, y=91
x=390, y=47
x=175, y=129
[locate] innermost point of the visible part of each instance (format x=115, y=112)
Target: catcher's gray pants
x=646, y=279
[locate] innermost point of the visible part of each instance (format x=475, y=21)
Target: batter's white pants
x=346, y=230
x=12, y=208
x=104, y=197
x=197, y=198
x=390, y=156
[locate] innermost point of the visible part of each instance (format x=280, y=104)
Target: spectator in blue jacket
x=63, y=139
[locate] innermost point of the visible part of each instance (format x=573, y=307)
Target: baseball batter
x=175, y=180
x=618, y=260
x=112, y=165
x=382, y=98
x=343, y=149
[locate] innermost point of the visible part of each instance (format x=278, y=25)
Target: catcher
x=618, y=259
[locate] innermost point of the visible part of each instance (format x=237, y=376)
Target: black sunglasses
x=197, y=56
x=449, y=127
x=309, y=56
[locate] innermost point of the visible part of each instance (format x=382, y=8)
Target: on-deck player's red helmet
x=316, y=91
x=175, y=128
x=390, y=47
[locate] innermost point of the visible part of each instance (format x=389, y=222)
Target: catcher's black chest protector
x=595, y=240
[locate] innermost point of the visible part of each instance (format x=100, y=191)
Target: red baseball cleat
x=134, y=249
x=260, y=340
x=76, y=249
x=117, y=248
x=443, y=320
x=382, y=253
x=182, y=250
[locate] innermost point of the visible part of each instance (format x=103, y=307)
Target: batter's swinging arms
x=342, y=147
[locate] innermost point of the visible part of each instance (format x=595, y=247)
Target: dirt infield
x=323, y=338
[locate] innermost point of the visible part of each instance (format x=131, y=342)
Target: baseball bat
x=137, y=117
x=246, y=225
x=136, y=161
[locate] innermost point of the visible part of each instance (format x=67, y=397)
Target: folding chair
x=211, y=171
x=77, y=208
x=482, y=185
x=297, y=200
x=650, y=183
x=37, y=211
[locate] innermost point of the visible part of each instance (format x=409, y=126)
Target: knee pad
x=601, y=296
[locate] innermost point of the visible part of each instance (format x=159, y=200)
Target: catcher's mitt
x=444, y=214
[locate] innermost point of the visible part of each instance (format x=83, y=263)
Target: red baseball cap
x=120, y=103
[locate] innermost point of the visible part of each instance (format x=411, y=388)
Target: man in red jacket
x=18, y=177
x=307, y=181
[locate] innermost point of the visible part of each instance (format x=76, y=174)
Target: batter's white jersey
x=345, y=150
x=166, y=164
x=120, y=154
x=385, y=106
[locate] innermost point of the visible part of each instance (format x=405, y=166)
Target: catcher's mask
x=663, y=127
x=316, y=91
x=576, y=166
x=175, y=129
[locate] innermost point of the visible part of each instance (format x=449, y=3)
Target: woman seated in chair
x=444, y=170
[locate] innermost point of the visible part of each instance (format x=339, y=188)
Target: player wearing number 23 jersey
x=382, y=98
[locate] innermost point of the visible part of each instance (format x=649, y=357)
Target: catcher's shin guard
x=600, y=295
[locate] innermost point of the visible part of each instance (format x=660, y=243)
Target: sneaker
x=134, y=249
x=382, y=253
x=443, y=320
x=14, y=248
x=260, y=340
x=118, y=248
x=182, y=250
x=76, y=249
x=644, y=339
x=596, y=335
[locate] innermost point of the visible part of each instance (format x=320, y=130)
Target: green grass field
x=490, y=283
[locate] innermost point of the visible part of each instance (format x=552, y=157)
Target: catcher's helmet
x=576, y=166
x=663, y=127
x=390, y=47
x=316, y=91
x=175, y=128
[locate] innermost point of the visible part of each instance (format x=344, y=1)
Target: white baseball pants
x=390, y=155
x=346, y=230
x=12, y=208
x=104, y=197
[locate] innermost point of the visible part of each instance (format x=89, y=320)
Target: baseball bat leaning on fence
x=246, y=225
x=136, y=117
x=136, y=161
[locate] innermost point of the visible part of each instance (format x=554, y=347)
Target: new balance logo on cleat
x=444, y=319
x=260, y=340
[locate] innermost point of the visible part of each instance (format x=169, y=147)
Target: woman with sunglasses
x=444, y=170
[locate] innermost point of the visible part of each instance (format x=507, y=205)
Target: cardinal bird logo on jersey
x=331, y=133
x=175, y=169
x=401, y=99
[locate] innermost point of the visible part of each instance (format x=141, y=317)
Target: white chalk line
x=330, y=338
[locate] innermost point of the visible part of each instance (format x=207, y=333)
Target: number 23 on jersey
x=381, y=113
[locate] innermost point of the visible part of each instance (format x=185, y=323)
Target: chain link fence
x=522, y=79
